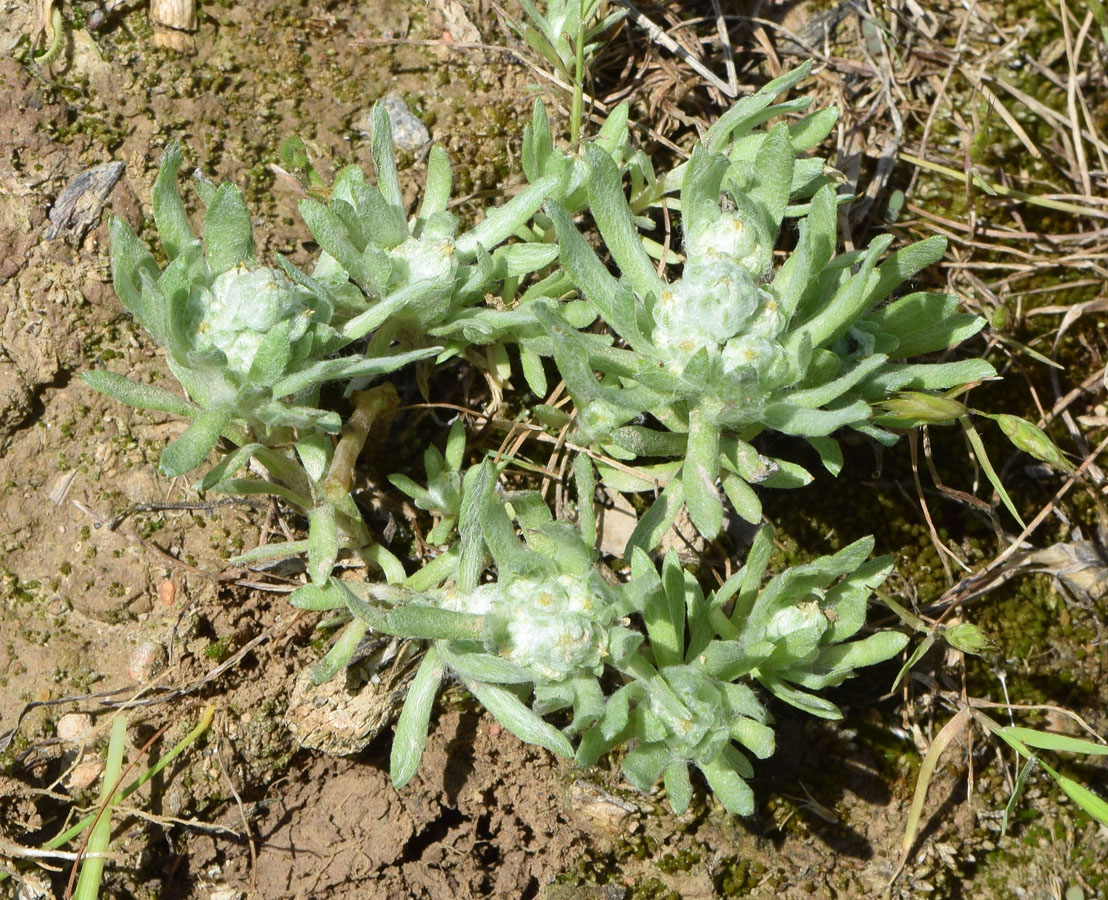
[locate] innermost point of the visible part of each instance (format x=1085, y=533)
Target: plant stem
x=368, y=407
x=578, y=84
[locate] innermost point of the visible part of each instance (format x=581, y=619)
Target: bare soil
x=114, y=583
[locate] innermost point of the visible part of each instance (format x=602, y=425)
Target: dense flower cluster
x=554, y=628
x=716, y=307
x=241, y=308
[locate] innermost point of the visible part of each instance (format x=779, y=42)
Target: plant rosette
x=251, y=345
x=555, y=629
x=688, y=700
x=544, y=630
x=734, y=345
x=420, y=281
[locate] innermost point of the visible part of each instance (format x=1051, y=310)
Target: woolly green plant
x=650, y=664
x=697, y=361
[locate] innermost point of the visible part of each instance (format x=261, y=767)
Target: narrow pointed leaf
x=191, y=448
x=1045, y=740
x=130, y=259
x=658, y=519
x=169, y=212
x=272, y=356
x=925, y=322
x=720, y=133
x=645, y=764
x=347, y=367
x=471, y=542
x=613, y=218
x=138, y=395
x=228, y=231
x=514, y=715
x=483, y=667
x=323, y=543
x=1093, y=804
x=228, y=466
x=502, y=221
x=410, y=737
x=384, y=159
x=987, y=466
x=678, y=786
x=317, y=597
x=728, y=785
x=699, y=475
x=340, y=653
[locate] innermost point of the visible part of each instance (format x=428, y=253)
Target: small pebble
x=147, y=661
x=408, y=132
x=73, y=728
x=84, y=774
x=167, y=592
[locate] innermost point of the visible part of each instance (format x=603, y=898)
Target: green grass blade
x=1017, y=790
x=1045, y=740
x=70, y=833
x=92, y=867
x=990, y=472
x=1094, y=805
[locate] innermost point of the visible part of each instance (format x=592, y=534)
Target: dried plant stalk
x=177, y=14
x=173, y=20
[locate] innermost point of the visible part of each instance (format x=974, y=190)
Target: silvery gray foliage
x=700, y=359
x=421, y=281
x=250, y=344
x=693, y=364
x=556, y=30
x=738, y=132
x=554, y=631
x=690, y=700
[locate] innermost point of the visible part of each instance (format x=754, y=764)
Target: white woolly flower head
x=756, y=353
x=717, y=306
x=730, y=237
x=712, y=301
x=553, y=627
x=419, y=259
x=241, y=307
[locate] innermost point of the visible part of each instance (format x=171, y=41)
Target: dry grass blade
x=991, y=575
x=112, y=785
x=660, y=37
x=1075, y=98
x=1010, y=120
x=728, y=52
x=1001, y=190
x=948, y=733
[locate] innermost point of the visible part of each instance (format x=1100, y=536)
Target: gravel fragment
x=84, y=774
x=408, y=132
x=73, y=728
x=147, y=661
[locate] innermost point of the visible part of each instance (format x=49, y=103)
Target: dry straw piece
x=173, y=20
